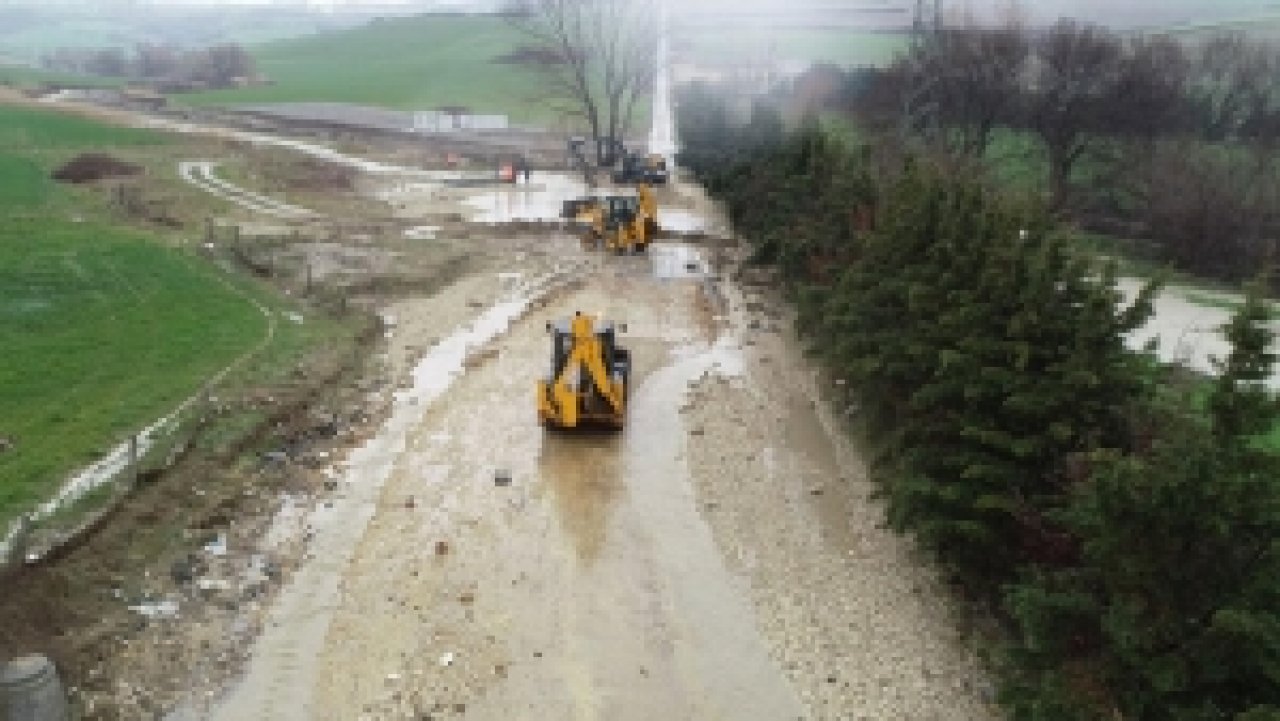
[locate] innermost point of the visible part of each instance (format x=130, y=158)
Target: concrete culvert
x=31, y=691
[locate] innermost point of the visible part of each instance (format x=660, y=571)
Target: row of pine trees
x=1120, y=517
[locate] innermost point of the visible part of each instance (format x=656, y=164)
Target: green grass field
x=102, y=328
x=33, y=142
x=839, y=46
x=102, y=331
x=28, y=131
x=23, y=76
x=409, y=63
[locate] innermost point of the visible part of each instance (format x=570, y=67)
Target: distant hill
x=27, y=32
x=1130, y=14
x=418, y=62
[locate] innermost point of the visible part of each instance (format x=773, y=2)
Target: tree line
x=1119, y=517
x=597, y=58
x=218, y=66
x=1168, y=141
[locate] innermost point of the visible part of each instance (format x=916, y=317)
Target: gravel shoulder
x=859, y=623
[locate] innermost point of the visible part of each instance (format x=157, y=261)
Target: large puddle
x=672, y=261
x=539, y=200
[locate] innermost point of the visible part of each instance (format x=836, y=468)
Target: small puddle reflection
x=583, y=472
x=540, y=199
x=677, y=261
x=678, y=220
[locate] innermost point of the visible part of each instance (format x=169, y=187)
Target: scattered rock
x=183, y=570
x=442, y=548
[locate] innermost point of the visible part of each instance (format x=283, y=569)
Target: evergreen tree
x=990, y=353
x=1174, y=609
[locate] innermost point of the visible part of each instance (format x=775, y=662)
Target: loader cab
x=616, y=359
x=621, y=210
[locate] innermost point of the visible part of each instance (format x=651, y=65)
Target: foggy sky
x=1117, y=12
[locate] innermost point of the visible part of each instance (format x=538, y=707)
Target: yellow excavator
x=589, y=376
x=621, y=223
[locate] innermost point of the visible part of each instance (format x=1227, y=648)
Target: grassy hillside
x=102, y=328
x=411, y=63
x=27, y=131
x=840, y=46
x=1263, y=26
x=31, y=30
x=102, y=331
x=23, y=76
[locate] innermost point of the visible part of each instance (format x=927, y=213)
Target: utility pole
x=922, y=25
x=919, y=112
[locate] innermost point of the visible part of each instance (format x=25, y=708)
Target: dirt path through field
x=202, y=174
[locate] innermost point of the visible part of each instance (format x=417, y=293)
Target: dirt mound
x=530, y=56
x=313, y=174
x=92, y=167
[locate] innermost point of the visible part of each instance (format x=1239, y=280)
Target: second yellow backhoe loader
x=589, y=376
x=621, y=223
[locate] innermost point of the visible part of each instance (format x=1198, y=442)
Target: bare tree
x=1150, y=96
x=1233, y=80
x=954, y=87
x=604, y=53
x=1212, y=210
x=111, y=62
x=156, y=61
x=976, y=74
x=1074, y=86
x=225, y=64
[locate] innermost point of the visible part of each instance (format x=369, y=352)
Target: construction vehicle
x=589, y=376
x=628, y=167
x=621, y=223
x=648, y=169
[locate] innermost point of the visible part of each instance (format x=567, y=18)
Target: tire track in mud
x=200, y=173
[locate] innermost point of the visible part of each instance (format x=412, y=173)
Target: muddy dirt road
x=699, y=565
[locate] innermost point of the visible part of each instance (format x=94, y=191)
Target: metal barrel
x=31, y=691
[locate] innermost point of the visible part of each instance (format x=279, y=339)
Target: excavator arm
x=563, y=399
x=586, y=356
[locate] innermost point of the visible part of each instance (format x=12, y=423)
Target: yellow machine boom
x=589, y=376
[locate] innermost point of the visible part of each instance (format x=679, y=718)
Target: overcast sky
x=1123, y=12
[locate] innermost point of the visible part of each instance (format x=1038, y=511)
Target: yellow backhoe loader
x=621, y=223
x=589, y=376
